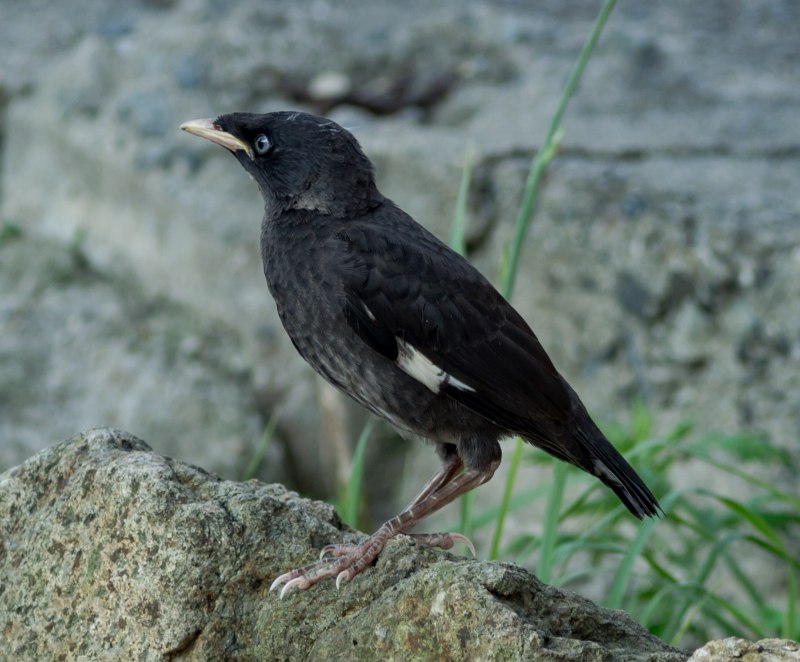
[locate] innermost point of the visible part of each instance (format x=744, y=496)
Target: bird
x=404, y=325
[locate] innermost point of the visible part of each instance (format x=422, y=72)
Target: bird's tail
x=601, y=459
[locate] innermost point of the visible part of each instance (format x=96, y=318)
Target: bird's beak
x=213, y=132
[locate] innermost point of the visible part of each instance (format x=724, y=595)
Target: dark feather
x=430, y=297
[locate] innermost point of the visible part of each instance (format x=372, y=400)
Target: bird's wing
x=419, y=304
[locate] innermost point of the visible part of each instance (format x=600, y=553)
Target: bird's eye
x=262, y=144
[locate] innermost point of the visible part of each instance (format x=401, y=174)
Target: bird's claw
x=278, y=581
x=343, y=577
x=346, y=561
x=457, y=537
x=299, y=582
x=334, y=551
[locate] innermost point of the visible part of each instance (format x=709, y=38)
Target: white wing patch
x=368, y=312
x=415, y=364
x=453, y=381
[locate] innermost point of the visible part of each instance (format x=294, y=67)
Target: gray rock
x=115, y=26
x=90, y=345
x=735, y=649
x=192, y=71
x=147, y=112
x=108, y=549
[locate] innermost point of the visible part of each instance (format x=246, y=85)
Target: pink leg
x=447, y=470
x=353, y=559
x=444, y=474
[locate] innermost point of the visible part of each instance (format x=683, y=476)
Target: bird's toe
x=443, y=540
x=335, y=551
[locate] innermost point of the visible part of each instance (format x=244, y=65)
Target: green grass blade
x=659, y=568
x=547, y=151
x=517, y=501
x=568, y=578
x=538, y=165
x=467, y=503
x=625, y=570
x=508, y=488
x=700, y=578
x=647, y=614
x=752, y=517
x=713, y=607
x=551, y=519
x=722, y=604
x=352, y=495
x=261, y=449
x=458, y=244
x=777, y=551
x=458, y=229
x=697, y=606
x=745, y=582
x=736, y=471
x=791, y=625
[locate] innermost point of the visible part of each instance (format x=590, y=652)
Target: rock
x=740, y=650
x=88, y=343
x=192, y=71
x=109, y=549
x=147, y=113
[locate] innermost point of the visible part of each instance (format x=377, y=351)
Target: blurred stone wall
x=663, y=262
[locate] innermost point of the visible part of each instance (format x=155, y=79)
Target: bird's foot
x=346, y=561
x=346, y=564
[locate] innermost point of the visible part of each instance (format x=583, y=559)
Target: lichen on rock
x=111, y=549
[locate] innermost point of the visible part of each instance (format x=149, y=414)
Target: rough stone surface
x=111, y=551
x=734, y=649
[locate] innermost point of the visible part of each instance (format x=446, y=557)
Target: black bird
x=404, y=325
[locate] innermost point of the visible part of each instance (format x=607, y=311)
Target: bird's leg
x=451, y=465
x=360, y=556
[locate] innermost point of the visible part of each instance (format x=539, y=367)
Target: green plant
x=349, y=502
x=693, y=575
x=77, y=249
x=261, y=449
x=510, y=265
x=683, y=576
x=9, y=231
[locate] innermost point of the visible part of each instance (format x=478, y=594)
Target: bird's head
x=299, y=161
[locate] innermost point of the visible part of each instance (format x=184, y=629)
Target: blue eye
x=262, y=144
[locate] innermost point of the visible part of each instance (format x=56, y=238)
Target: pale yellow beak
x=213, y=132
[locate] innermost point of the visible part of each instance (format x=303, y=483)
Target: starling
x=402, y=324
